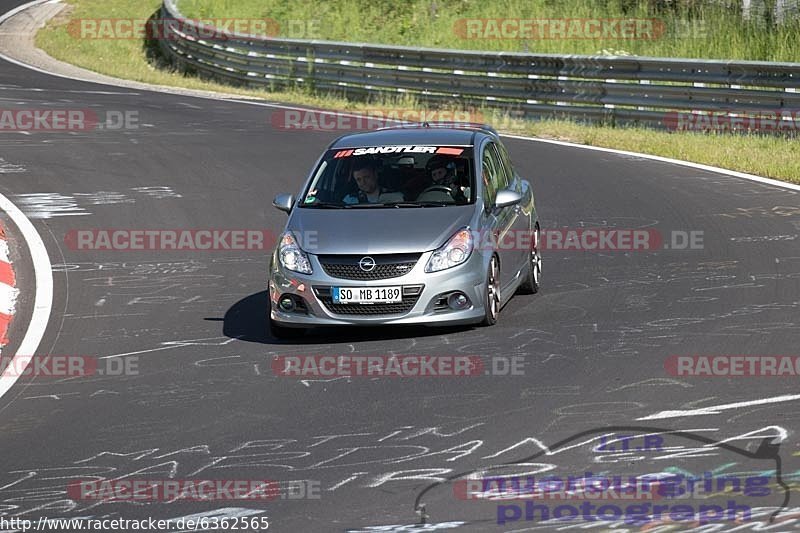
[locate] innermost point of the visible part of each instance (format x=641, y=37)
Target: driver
x=365, y=174
x=441, y=170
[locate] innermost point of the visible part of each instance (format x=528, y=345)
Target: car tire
x=491, y=299
x=530, y=283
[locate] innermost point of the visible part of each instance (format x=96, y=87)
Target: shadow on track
x=247, y=320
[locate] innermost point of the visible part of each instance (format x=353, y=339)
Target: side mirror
x=284, y=202
x=507, y=197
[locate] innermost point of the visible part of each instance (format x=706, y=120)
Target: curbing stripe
x=8, y=291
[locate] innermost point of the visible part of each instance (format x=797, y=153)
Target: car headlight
x=454, y=252
x=291, y=256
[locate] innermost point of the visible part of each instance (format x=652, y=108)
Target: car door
x=503, y=218
x=521, y=225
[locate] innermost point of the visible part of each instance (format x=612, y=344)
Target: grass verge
x=680, y=28
x=775, y=157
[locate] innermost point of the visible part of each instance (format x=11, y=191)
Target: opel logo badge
x=367, y=264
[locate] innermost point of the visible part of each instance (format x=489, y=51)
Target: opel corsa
x=424, y=225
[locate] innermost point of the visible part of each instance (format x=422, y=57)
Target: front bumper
x=468, y=278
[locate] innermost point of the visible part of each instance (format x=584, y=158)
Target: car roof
x=421, y=135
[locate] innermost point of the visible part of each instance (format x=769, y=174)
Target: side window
x=489, y=174
x=506, y=162
x=502, y=180
x=499, y=178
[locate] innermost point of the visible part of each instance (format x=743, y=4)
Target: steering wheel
x=438, y=188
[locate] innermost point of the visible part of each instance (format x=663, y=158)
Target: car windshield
x=392, y=177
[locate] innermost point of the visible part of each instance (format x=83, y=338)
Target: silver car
x=425, y=225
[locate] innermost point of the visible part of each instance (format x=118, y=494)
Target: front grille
x=411, y=294
x=386, y=266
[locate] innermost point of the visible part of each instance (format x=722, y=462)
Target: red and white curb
x=8, y=290
x=40, y=291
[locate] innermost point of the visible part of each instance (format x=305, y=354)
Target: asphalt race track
x=206, y=404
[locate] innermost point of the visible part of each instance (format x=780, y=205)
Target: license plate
x=367, y=295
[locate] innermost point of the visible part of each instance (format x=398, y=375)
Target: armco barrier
x=659, y=92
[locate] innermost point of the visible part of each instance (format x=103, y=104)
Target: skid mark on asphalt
x=361, y=458
x=761, y=212
x=48, y=205
x=189, y=266
x=10, y=168
x=208, y=341
x=717, y=409
x=45, y=205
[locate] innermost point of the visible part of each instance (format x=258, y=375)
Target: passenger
x=441, y=171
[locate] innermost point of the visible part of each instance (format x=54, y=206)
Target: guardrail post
x=311, y=70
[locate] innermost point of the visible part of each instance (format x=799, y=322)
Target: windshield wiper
x=325, y=206
x=365, y=205
x=377, y=205
x=416, y=204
